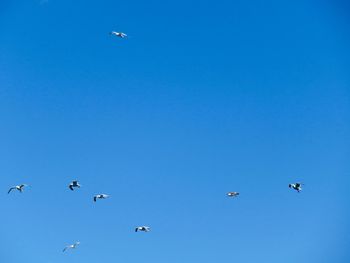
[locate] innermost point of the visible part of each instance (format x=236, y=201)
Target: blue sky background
x=205, y=97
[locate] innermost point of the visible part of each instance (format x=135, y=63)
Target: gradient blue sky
x=205, y=97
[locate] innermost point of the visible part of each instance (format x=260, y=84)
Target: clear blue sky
x=203, y=98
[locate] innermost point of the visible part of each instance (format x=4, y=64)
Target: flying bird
x=118, y=34
x=233, y=194
x=17, y=187
x=143, y=228
x=100, y=196
x=73, y=246
x=73, y=184
x=296, y=186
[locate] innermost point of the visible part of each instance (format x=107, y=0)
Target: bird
x=17, y=187
x=296, y=186
x=100, y=196
x=73, y=184
x=143, y=228
x=71, y=246
x=118, y=34
x=233, y=194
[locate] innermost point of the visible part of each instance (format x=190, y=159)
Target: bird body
x=119, y=34
x=17, y=187
x=143, y=229
x=73, y=246
x=73, y=185
x=233, y=194
x=100, y=196
x=296, y=186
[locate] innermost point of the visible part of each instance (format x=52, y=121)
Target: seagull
x=100, y=196
x=17, y=187
x=296, y=186
x=73, y=184
x=71, y=246
x=233, y=194
x=118, y=34
x=143, y=228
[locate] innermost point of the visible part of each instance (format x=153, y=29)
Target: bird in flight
x=118, y=34
x=232, y=194
x=100, y=196
x=296, y=186
x=73, y=246
x=17, y=187
x=143, y=228
x=73, y=185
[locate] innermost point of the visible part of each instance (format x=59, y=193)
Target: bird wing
x=95, y=198
x=11, y=189
x=21, y=187
x=64, y=249
x=71, y=187
x=297, y=184
x=136, y=229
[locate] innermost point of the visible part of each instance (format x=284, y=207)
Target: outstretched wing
x=12, y=188
x=71, y=187
x=95, y=198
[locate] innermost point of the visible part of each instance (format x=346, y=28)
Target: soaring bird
x=233, y=194
x=73, y=184
x=296, y=186
x=17, y=187
x=118, y=34
x=71, y=246
x=143, y=228
x=100, y=196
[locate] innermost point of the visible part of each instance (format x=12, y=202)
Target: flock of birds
x=75, y=184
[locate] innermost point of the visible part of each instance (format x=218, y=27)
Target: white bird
x=73, y=184
x=73, y=246
x=143, y=228
x=17, y=187
x=100, y=196
x=296, y=186
x=118, y=34
x=233, y=194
